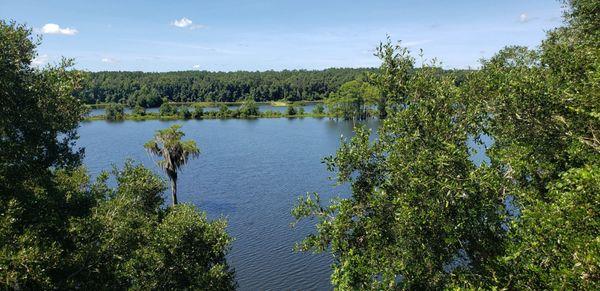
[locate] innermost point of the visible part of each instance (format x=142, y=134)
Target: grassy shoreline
x=217, y=104
x=156, y=116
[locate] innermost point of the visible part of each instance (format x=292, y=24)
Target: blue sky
x=226, y=35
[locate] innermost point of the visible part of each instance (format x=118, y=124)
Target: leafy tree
x=114, y=111
x=38, y=122
x=352, y=100
x=392, y=77
x=185, y=113
x=249, y=108
x=131, y=241
x=319, y=109
x=146, y=97
x=139, y=110
x=542, y=108
x=198, y=111
x=422, y=216
x=58, y=231
x=224, y=111
x=291, y=110
x=166, y=109
x=175, y=153
x=418, y=216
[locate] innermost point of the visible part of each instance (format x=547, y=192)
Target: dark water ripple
x=250, y=172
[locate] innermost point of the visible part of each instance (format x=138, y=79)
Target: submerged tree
x=115, y=111
x=167, y=109
x=291, y=110
x=249, y=108
x=351, y=101
x=175, y=153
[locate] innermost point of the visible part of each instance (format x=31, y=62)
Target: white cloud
x=186, y=23
x=51, y=28
x=183, y=22
x=40, y=60
x=109, y=60
x=196, y=66
x=523, y=17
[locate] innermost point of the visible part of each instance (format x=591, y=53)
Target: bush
x=291, y=110
x=319, y=109
x=185, y=113
x=131, y=241
x=249, y=109
x=115, y=111
x=198, y=111
x=139, y=110
x=166, y=109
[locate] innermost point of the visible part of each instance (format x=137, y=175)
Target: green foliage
x=194, y=248
x=58, y=231
x=422, y=216
x=291, y=110
x=139, y=110
x=130, y=241
x=167, y=109
x=224, y=111
x=249, y=109
x=542, y=108
x=351, y=101
x=558, y=246
x=146, y=97
x=38, y=122
x=198, y=111
x=418, y=216
x=175, y=153
x=319, y=109
x=393, y=76
x=146, y=89
x=114, y=111
x=185, y=113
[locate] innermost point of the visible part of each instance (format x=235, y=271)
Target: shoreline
x=218, y=103
x=156, y=116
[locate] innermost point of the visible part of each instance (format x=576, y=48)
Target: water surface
x=249, y=171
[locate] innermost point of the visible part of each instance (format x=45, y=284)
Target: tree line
x=149, y=89
x=152, y=89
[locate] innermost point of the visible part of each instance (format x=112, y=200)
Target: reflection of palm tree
x=175, y=153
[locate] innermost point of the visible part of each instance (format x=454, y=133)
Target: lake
x=249, y=171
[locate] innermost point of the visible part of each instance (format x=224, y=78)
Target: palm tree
x=175, y=153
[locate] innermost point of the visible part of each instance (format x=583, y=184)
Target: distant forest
x=149, y=89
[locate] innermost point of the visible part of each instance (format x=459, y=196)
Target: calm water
x=249, y=171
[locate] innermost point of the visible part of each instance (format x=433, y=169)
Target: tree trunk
x=174, y=191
